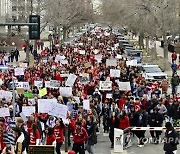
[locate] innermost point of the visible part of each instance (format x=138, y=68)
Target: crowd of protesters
x=147, y=103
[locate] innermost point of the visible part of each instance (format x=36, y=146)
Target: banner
x=118, y=140
x=4, y=112
x=28, y=110
x=18, y=71
x=86, y=104
x=65, y=91
x=115, y=73
x=54, y=83
x=124, y=86
x=111, y=62
x=71, y=79
x=105, y=85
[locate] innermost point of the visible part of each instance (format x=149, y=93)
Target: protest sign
x=23, y=117
x=47, y=84
x=105, y=85
x=26, y=85
x=108, y=95
x=39, y=84
x=71, y=79
x=65, y=91
x=46, y=105
x=77, y=99
x=84, y=78
x=86, y=104
x=119, y=56
x=28, y=110
x=23, y=65
x=87, y=65
x=115, y=73
x=111, y=62
x=18, y=71
x=98, y=58
x=28, y=94
x=60, y=111
x=4, y=112
x=42, y=92
x=54, y=83
x=124, y=86
x=82, y=52
x=5, y=94
x=20, y=90
x=64, y=61
x=131, y=62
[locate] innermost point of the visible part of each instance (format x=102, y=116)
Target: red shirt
x=124, y=123
x=50, y=139
x=80, y=136
x=59, y=134
x=34, y=137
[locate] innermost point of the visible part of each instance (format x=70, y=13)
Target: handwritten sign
x=124, y=86
x=65, y=91
x=39, y=84
x=4, y=112
x=84, y=78
x=105, y=85
x=28, y=110
x=5, y=94
x=131, y=62
x=111, y=62
x=115, y=73
x=86, y=104
x=54, y=83
x=19, y=71
x=45, y=105
x=71, y=79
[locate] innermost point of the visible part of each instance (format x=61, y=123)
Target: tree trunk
x=147, y=45
x=141, y=43
x=165, y=52
x=59, y=35
x=64, y=33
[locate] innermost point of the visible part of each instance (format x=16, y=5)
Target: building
x=4, y=7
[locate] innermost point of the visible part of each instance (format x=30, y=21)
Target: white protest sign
x=45, y=105
x=105, y=85
x=131, y=62
x=65, y=91
x=19, y=71
x=119, y=56
x=4, y=112
x=118, y=140
x=64, y=61
x=86, y=104
x=54, y=83
x=23, y=117
x=124, y=86
x=111, y=62
x=28, y=110
x=82, y=52
x=84, y=78
x=60, y=111
x=108, y=95
x=71, y=79
x=47, y=84
x=39, y=84
x=115, y=73
x=5, y=94
x=26, y=85
x=98, y=58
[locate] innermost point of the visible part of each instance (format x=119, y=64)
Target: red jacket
x=124, y=123
x=34, y=137
x=80, y=136
x=50, y=139
x=59, y=134
x=121, y=103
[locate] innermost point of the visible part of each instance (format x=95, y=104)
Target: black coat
x=176, y=112
x=155, y=119
x=171, y=141
x=91, y=130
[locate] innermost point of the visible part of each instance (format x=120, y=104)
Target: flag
x=42, y=92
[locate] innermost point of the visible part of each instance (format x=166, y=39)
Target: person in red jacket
x=174, y=56
x=59, y=134
x=2, y=144
x=50, y=137
x=34, y=135
x=124, y=121
x=80, y=136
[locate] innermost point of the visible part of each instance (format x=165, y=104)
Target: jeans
x=174, y=89
x=90, y=148
x=58, y=147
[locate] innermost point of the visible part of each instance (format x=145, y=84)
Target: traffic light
x=34, y=31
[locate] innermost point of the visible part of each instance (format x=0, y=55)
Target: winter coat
x=91, y=130
x=155, y=119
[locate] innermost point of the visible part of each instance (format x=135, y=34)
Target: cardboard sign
x=65, y=91
x=19, y=71
x=86, y=104
x=105, y=85
x=4, y=112
x=54, y=83
x=28, y=110
x=111, y=62
x=39, y=84
x=124, y=86
x=71, y=79
x=20, y=90
x=42, y=92
x=60, y=111
x=87, y=65
x=45, y=105
x=115, y=73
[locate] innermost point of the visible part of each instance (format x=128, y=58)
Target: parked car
x=133, y=54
